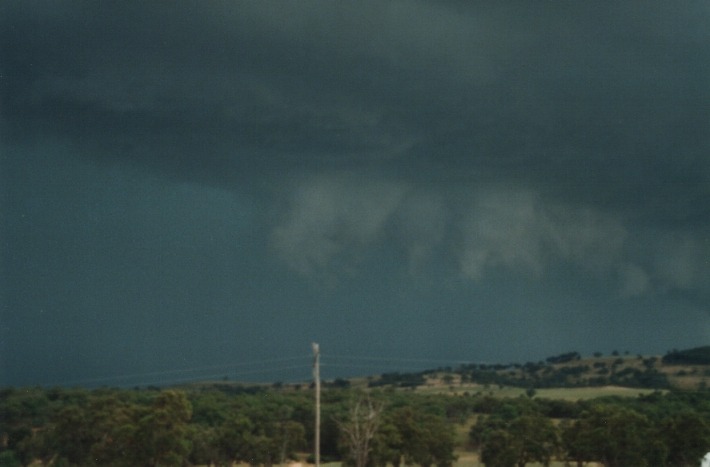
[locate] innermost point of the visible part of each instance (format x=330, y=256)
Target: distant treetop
x=694, y=356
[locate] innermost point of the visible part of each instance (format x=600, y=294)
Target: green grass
x=570, y=394
x=574, y=394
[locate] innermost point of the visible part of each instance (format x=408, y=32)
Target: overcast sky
x=207, y=187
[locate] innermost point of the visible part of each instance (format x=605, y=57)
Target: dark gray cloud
x=192, y=160
x=559, y=96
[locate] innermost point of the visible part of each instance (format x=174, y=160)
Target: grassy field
x=575, y=394
x=570, y=394
x=626, y=370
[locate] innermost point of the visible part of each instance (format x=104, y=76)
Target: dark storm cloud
x=607, y=105
x=457, y=142
x=216, y=85
x=604, y=105
x=567, y=90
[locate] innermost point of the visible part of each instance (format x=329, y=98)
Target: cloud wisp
x=333, y=221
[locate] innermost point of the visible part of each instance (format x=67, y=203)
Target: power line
x=210, y=377
x=398, y=359
x=217, y=371
x=374, y=367
x=228, y=368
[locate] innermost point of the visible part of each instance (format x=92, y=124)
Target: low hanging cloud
x=336, y=219
x=672, y=262
x=516, y=229
x=420, y=226
x=333, y=216
x=682, y=261
x=634, y=280
x=503, y=228
x=333, y=221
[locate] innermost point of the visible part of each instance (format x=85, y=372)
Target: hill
x=694, y=356
x=688, y=369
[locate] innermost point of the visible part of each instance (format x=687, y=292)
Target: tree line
x=224, y=424
x=564, y=371
x=215, y=425
x=655, y=430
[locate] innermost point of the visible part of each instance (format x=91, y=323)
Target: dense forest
x=368, y=423
x=217, y=424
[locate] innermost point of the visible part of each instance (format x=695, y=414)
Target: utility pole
x=316, y=378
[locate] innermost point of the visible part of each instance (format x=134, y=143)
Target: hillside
x=677, y=370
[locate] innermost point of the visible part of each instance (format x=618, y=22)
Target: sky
x=201, y=190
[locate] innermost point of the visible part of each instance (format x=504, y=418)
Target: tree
x=113, y=422
x=203, y=441
x=291, y=436
x=496, y=451
x=426, y=438
x=233, y=437
x=104, y=430
x=75, y=437
x=614, y=436
x=535, y=439
x=530, y=437
x=386, y=445
x=261, y=449
x=577, y=444
x=359, y=428
x=686, y=436
x=23, y=416
x=162, y=434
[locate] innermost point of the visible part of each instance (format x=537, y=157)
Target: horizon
x=297, y=374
